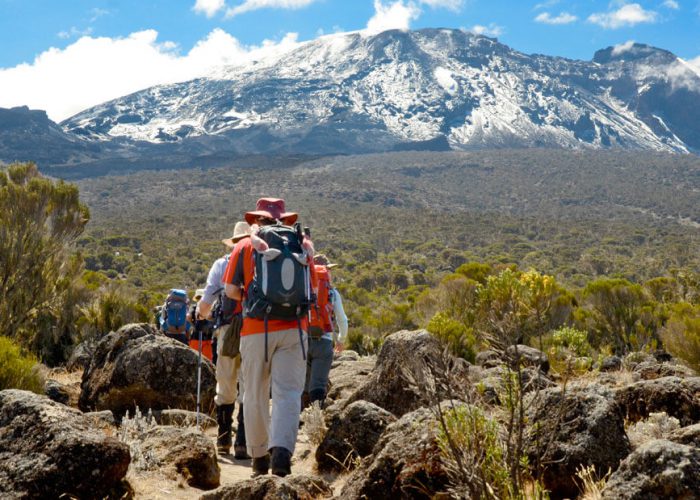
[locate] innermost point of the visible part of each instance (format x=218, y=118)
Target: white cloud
x=250, y=5
x=627, y=15
x=208, y=7
x=671, y=4
x=453, y=5
x=74, y=32
x=97, y=13
x=622, y=48
x=563, y=18
x=397, y=15
x=491, y=30
x=546, y=5
x=94, y=70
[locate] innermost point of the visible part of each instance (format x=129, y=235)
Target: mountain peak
x=632, y=51
x=360, y=92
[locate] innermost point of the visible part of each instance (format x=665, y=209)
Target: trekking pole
x=199, y=375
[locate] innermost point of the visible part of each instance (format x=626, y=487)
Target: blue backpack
x=175, y=312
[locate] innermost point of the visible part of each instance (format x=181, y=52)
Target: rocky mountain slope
x=429, y=88
x=350, y=93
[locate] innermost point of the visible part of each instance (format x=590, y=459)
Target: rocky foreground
x=377, y=438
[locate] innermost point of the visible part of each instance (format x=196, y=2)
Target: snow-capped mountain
x=433, y=88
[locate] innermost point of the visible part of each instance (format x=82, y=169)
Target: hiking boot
x=281, y=459
x=261, y=465
x=240, y=452
x=224, y=417
x=318, y=395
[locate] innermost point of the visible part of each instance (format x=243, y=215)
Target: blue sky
x=52, y=49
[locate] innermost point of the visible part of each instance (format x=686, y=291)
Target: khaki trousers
x=227, y=373
x=285, y=371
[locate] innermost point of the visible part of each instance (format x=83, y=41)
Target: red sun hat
x=272, y=208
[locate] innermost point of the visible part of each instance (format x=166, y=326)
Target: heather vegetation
x=558, y=245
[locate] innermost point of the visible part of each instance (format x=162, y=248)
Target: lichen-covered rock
x=48, y=450
x=678, y=397
x=580, y=426
x=488, y=359
x=102, y=419
x=657, y=470
x=492, y=382
x=404, y=353
x=137, y=366
x=611, y=364
x=650, y=370
x=56, y=391
x=81, y=356
x=352, y=434
x=188, y=451
x=529, y=356
x=344, y=379
x=347, y=355
x=689, y=435
x=292, y=487
x=405, y=462
x=346, y=375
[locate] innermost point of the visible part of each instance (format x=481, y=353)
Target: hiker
x=174, y=320
x=203, y=327
x=322, y=335
x=225, y=314
x=272, y=349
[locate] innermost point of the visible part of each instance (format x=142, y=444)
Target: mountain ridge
x=433, y=89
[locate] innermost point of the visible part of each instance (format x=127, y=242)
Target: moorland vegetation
x=586, y=253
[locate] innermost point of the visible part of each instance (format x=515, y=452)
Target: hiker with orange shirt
x=327, y=310
x=271, y=273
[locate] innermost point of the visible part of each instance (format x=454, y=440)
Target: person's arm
x=233, y=276
x=212, y=288
x=341, y=318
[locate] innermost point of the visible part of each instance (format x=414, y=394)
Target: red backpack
x=322, y=310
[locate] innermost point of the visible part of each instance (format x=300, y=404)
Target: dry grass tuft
x=656, y=426
x=314, y=423
x=132, y=432
x=591, y=485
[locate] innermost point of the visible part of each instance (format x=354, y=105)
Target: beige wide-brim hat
x=198, y=294
x=322, y=260
x=240, y=231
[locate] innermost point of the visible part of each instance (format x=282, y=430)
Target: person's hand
x=339, y=347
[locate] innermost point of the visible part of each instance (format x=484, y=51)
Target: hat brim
x=231, y=242
x=287, y=218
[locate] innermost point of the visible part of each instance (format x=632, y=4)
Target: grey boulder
x=292, y=487
x=48, y=450
x=657, y=470
x=137, y=366
x=352, y=434
x=678, y=397
x=582, y=426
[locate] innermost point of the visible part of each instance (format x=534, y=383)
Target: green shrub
x=471, y=446
x=681, y=334
x=18, y=370
x=574, y=340
x=363, y=344
x=454, y=334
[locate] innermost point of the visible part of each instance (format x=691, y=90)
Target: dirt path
x=162, y=485
x=168, y=485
